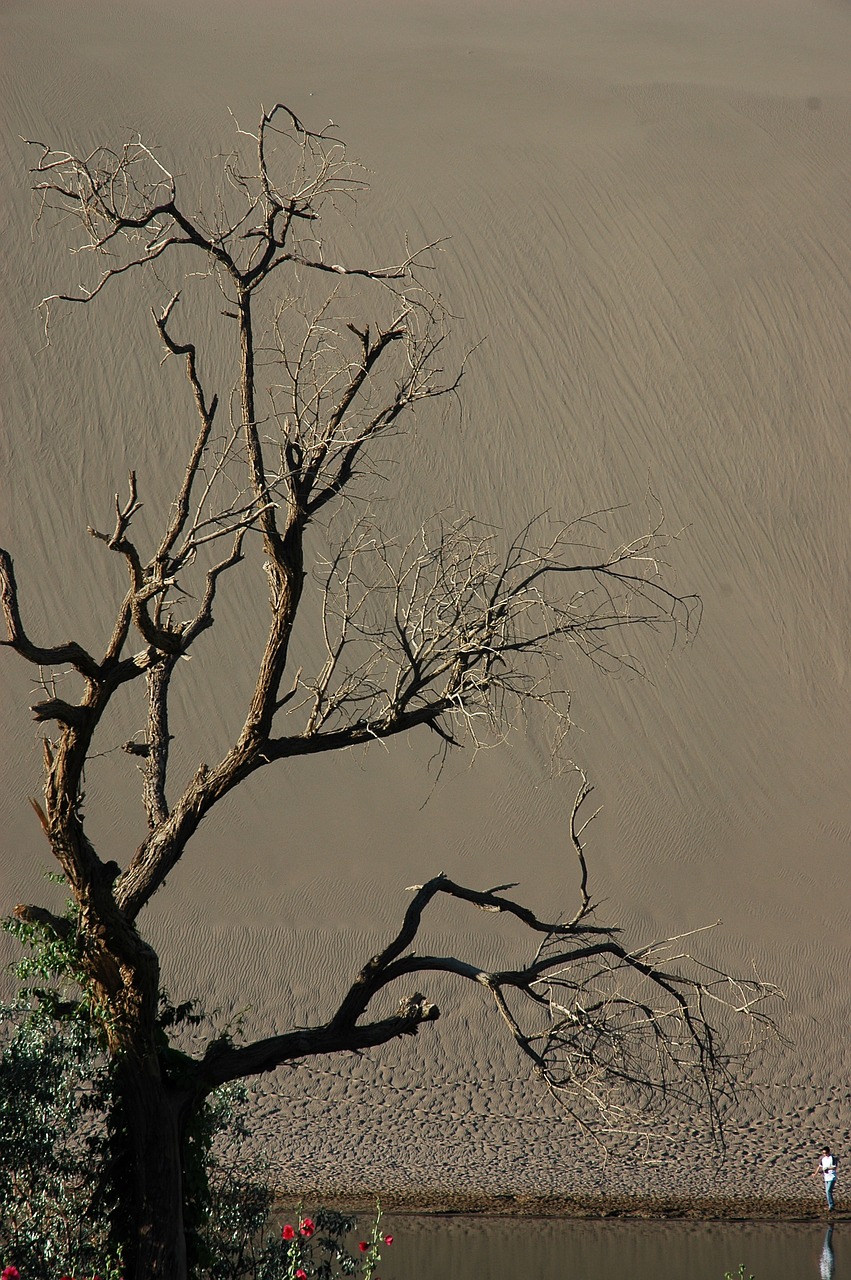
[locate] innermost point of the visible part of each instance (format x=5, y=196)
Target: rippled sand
x=647, y=216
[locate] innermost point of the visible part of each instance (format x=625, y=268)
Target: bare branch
x=39, y=655
x=613, y=1033
x=446, y=631
x=59, y=926
x=222, y=1062
x=576, y=840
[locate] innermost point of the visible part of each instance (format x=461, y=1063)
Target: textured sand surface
x=648, y=218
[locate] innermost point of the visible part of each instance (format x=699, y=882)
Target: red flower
x=10, y=1273
x=288, y=1233
x=307, y=1228
x=300, y=1275
x=388, y=1239
x=363, y=1246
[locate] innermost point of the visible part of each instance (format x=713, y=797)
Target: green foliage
x=324, y=1248
x=51, y=972
x=230, y=1240
x=52, y=958
x=228, y=1199
x=57, y=1196
x=60, y=1143
x=738, y=1275
x=56, y=1206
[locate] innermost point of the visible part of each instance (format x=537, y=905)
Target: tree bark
x=152, y=1115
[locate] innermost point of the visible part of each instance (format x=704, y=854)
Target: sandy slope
x=648, y=214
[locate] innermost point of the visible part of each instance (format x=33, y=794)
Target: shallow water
x=496, y=1249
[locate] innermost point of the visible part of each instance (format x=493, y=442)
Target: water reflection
x=827, y=1262
x=433, y=1248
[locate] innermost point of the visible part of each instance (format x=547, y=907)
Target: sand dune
x=647, y=218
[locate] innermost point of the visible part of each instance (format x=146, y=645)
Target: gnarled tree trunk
x=153, y=1116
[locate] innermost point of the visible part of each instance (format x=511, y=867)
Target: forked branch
x=614, y=1033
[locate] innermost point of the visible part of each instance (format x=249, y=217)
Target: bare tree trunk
x=152, y=1115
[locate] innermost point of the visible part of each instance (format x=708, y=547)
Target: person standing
x=827, y=1168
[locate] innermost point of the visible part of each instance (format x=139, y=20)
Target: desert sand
x=646, y=214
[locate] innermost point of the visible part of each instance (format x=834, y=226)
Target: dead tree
x=455, y=631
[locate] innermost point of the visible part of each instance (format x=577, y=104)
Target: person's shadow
x=827, y=1262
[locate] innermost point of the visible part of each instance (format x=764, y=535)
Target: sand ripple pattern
x=649, y=224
